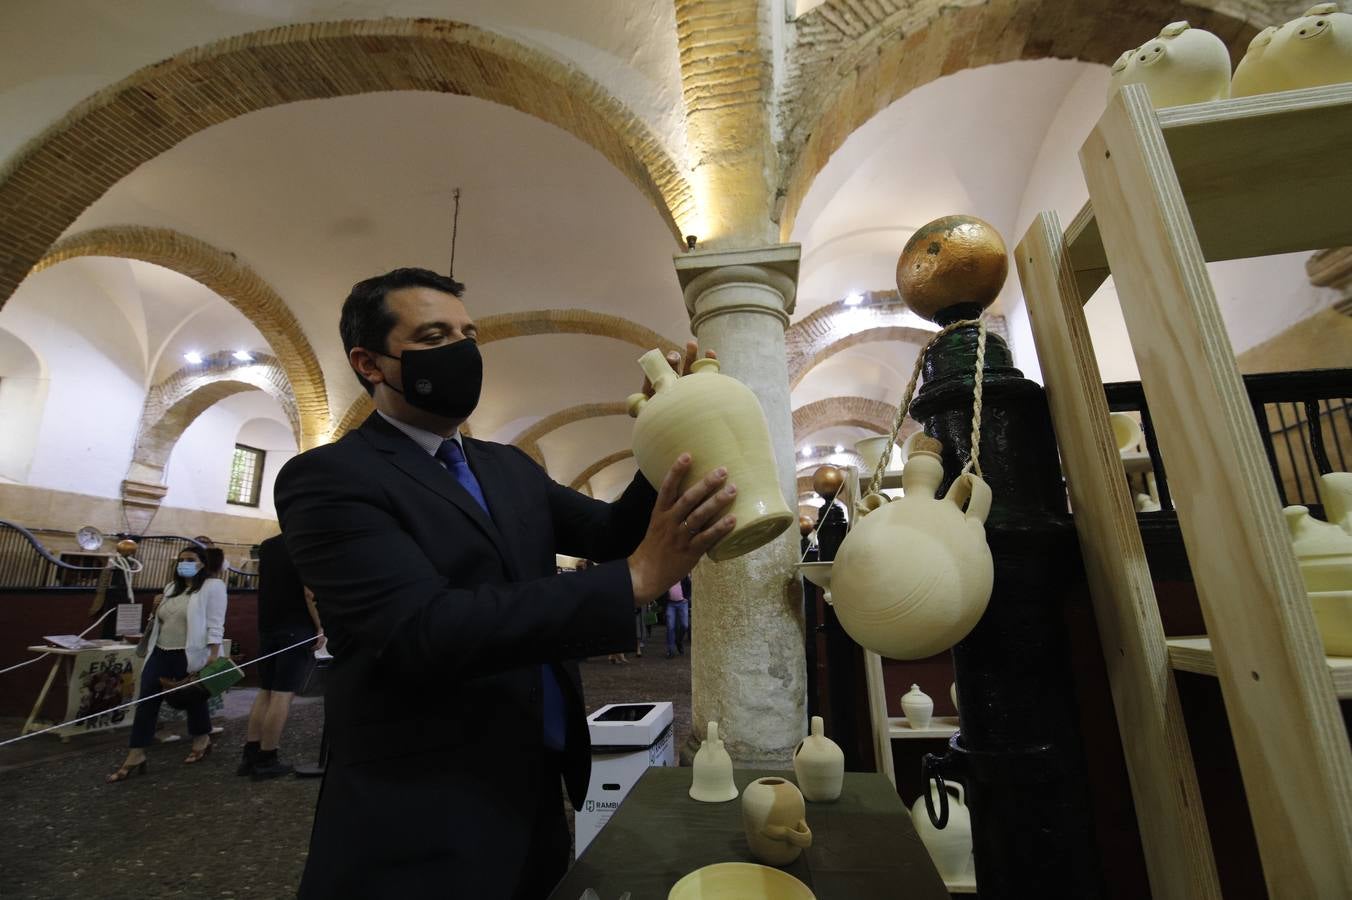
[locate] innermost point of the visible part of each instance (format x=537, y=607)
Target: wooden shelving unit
x=1194, y=654
x=1170, y=190
x=944, y=727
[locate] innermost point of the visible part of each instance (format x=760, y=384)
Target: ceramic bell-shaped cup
x=914, y=575
x=712, y=779
x=918, y=706
x=719, y=422
x=774, y=816
x=819, y=765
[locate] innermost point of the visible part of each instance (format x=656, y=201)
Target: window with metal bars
x=246, y=476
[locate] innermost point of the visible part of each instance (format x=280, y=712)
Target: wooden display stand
x=1170, y=190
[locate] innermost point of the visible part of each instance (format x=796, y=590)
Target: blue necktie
x=556, y=729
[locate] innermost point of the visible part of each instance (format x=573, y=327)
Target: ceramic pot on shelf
x=711, y=775
x=951, y=846
x=1181, y=65
x=1335, y=492
x=918, y=706
x=774, y=816
x=719, y=421
x=914, y=575
x=819, y=765
x=1309, y=51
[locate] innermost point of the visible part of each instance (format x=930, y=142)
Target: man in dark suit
x=453, y=705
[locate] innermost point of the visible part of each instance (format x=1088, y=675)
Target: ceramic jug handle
x=931, y=772
x=972, y=490
x=799, y=835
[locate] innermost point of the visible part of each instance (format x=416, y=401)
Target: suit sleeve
x=595, y=530
x=377, y=587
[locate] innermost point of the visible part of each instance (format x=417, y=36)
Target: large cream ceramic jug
x=819, y=765
x=719, y=422
x=913, y=576
x=951, y=846
x=774, y=816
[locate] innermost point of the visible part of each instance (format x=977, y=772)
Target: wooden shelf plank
x=1289, y=734
x=1193, y=654
x=939, y=727
x=1274, y=158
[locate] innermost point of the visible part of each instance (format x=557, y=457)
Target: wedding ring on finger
x=688, y=530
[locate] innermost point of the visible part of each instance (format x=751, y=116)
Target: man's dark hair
x=366, y=321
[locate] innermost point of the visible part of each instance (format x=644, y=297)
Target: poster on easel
x=100, y=681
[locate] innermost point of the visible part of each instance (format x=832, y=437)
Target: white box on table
x=626, y=738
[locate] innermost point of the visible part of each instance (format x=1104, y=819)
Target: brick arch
x=529, y=439
x=819, y=454
x=173, y=404
x=503, y=326
x=59, y=174
x=836, y=327
x=857, y=412
x=604, y=462
x=242, y=288
x=855, y=59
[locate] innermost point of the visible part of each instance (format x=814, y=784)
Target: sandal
x=197, y=756
x=125, y=772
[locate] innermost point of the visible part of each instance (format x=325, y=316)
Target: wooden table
x=863, y=846
x=116, y=661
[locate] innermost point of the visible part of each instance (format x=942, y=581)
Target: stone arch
x=854, y=59
x=859, y=412
x=604, y=462
x=241, y=287
x=527, y=324
x=56, y=176
x=836, y=327
x=529, y=439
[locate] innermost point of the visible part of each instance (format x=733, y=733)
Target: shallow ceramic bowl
x=1333, y=615
x=739, y=881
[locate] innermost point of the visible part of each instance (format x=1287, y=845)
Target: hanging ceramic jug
x=1182, y=65
x=918, y=707
x=915, y=574
x=711, y=781
x=773, y=815
x=719, y=422
x=951, y=846
x=1335, y=492
x=819, y=765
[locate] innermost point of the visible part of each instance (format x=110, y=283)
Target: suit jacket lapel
x=496, y=487
x=418, y=465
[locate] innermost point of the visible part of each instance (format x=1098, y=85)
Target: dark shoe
x=670, y=654
x=125, y=772
x=680, y=649
x=274, y=769
x=248, y=756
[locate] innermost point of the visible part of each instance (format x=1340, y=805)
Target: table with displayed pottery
x=863, y=845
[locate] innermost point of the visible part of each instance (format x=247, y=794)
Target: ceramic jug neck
x=922, y=475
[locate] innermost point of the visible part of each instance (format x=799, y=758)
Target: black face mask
x=443, y=380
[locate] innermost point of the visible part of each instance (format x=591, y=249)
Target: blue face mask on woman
x=188, y=568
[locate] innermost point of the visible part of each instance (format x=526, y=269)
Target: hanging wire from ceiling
x=455, y=228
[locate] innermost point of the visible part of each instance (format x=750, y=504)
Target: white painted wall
x=198, y=473
x=23, y=391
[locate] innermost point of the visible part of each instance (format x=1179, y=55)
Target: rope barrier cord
x=29, y=662
x=973, y=463
x=23, y=737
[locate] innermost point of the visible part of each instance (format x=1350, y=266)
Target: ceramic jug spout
x=659, y=371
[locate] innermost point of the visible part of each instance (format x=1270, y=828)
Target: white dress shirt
x=428, y=440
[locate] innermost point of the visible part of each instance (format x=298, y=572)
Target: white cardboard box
x=626, y=740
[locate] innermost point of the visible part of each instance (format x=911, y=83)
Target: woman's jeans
x=164, y=664
x=677, y=613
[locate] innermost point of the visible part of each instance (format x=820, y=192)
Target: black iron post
x=1019, y=752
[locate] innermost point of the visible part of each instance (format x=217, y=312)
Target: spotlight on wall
x=690, y=241
x=807, y=453
x=854, y=298
x=192, y=357
x=243, y=356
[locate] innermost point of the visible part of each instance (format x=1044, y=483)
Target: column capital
x=770, y=273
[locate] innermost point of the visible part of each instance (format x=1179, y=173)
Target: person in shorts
x=286, y=617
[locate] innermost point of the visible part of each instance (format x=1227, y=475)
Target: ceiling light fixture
x=854, y=298
x=807, y=453
x=243, y=356
x=839, y=449
x=193, y=358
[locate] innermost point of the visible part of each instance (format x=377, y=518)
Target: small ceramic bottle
x=774, y=817
x=819, y=765
x=918, y=707
x=951, y=846
x=711, y=781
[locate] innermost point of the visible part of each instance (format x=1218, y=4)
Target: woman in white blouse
x=186, y=628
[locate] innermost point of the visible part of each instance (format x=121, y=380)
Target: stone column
x=747, y=653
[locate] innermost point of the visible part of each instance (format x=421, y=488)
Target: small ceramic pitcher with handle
x=774, y=816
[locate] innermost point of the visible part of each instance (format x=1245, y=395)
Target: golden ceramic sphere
x=827, y=481
x=805, y=525
x=956, y=259
x=126, y=547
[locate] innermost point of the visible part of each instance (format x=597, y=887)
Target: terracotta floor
x=199, y=831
